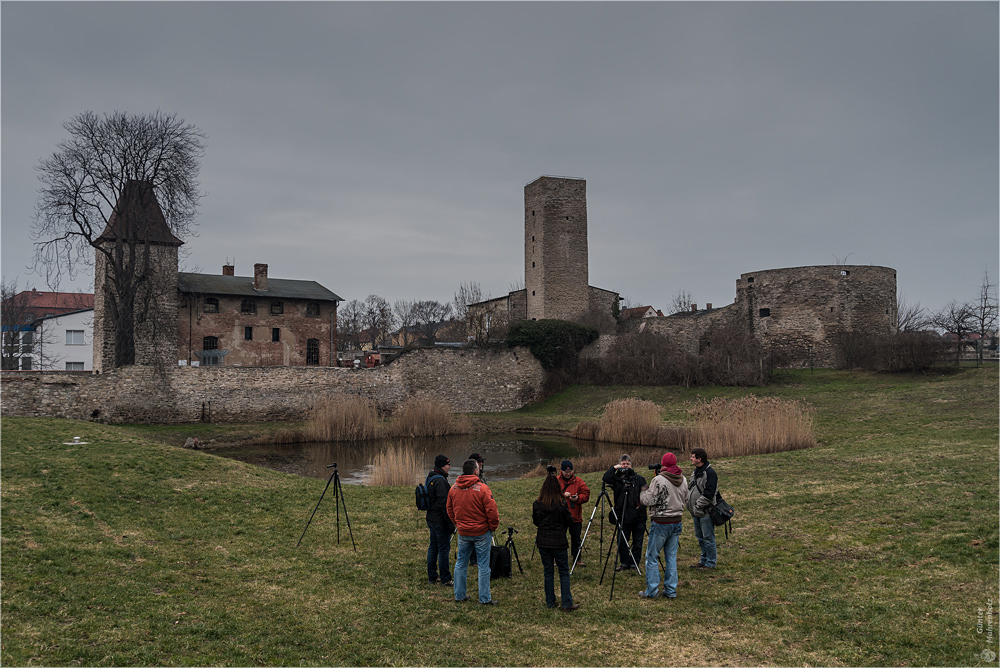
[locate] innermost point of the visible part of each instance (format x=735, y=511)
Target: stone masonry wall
x=467, y=380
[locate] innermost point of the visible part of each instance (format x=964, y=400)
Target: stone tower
x=556, y=277
x=135, y=283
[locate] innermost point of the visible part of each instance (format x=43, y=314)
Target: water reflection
x=507, y=456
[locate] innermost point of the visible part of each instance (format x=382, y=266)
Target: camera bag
x=721, y=513
x=500, y=562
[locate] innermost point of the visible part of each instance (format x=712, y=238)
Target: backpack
x=423, y=494
x=500, y=562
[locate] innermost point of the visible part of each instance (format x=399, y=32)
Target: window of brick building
x=312, y=309
x=248, y=333
x=211, y=305
x=765, y=312
x=275, y=334
x=210, y=343
x=277, y=308
x=249, y=306
x=312, y=351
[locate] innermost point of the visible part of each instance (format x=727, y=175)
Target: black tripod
x=513, y=548
x=601, y=498
x=338, y=494
x=627, y=496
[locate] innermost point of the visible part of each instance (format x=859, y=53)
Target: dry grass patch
x=344, y=417
x=632, y=422
x=751, y=425
x=395, y=466
x=420, y=417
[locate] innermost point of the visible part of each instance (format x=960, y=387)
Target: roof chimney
x=694, y=307
x=228, y=270
x=260, y=277
x=708, y=306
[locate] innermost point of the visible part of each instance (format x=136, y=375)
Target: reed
x=420, y=416
x=344, y=417
x=395, y=466
x=633, y=422
x=751, y=425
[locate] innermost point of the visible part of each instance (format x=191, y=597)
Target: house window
x=210, y=343
x=74, y=337
x=27, y=339
x=765, y=312
x=249, y=306
x=312, y=309
x=312, y=351
x=74, y=366
x=277, y=308
x=275, y=334
x=248, y=333
x=25, y=364
x=211, y=305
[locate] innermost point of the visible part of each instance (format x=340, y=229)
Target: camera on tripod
x=626, y=473
x=551, y=469
x=655, y=467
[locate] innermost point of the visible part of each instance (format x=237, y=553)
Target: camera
x=655, y=467
x=551, y=469
x=625, y=473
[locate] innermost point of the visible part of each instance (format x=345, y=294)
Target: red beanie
x=669, y=463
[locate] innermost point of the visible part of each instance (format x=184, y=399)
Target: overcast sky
x=384, y=147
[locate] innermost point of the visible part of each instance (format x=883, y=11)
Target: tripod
x=513, y=548
x=338, y=494
x=627, y=495
x=602, y=497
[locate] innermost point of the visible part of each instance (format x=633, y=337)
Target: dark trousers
x=634, y=534
x=557, y=557
x=438, y=551
x=575, y=529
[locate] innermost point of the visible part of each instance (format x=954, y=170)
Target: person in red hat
x=665, y=499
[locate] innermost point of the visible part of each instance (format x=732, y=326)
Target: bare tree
x=25, y=342
x=955, y=319
x=378, y=319
x=350, y=319
x=138, y=170
x=681, y=302
x=909, y=317
x=406, y=316
x=468, y=293
x=984, y=309
x=430, y=317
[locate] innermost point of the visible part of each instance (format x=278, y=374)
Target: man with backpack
x=702, y=487
x=438, y=522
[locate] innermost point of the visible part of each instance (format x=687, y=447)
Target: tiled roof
x=137, y=216
x=214, y=284
x=40, y=304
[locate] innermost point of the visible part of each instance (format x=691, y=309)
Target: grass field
x=879, y=547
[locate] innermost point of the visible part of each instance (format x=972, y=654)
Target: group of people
x=468, y=508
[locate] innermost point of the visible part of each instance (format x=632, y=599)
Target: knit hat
x=441, y=461
x=566, y=464
x=478, y=457
x=669, y=463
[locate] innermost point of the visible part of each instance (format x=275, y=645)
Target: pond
x=507, y=456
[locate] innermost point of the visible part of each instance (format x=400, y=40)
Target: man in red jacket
x=577, y=493
x=472, y=509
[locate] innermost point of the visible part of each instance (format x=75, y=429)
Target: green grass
x=876, y=548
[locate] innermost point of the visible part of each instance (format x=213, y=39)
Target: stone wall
x=466, y=379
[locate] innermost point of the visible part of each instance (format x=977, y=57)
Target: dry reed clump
x=427, y=417
x=344, y=417
x=751, y=426
x=632, y=422
x=395, y=466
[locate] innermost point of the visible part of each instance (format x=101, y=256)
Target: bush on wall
x=554, y=343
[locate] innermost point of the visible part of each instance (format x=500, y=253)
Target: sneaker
x=698, y=566
x=571, y=608
x=447, y=583
x=490, y=602
x=461, y=600
x=643, y=594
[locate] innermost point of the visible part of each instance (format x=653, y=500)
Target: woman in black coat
x=550, y=514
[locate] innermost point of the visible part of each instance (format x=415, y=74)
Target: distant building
x=47, y=331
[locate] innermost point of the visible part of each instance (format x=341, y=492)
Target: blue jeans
x=662, y=537
x=558, y=557
x=466, y=544
x=438, y=552
x=704, y=531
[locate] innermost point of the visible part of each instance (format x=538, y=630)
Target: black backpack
x=423, y=495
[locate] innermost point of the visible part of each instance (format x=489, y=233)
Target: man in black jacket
x=701, y=493
x=438, y=522
x=626, y=484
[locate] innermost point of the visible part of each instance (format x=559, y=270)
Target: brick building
x=232, y=320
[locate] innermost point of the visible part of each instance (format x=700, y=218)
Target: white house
x=64, y=342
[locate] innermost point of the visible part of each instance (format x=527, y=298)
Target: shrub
x=751, y=426
x=901, y=351
x=554, y=343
